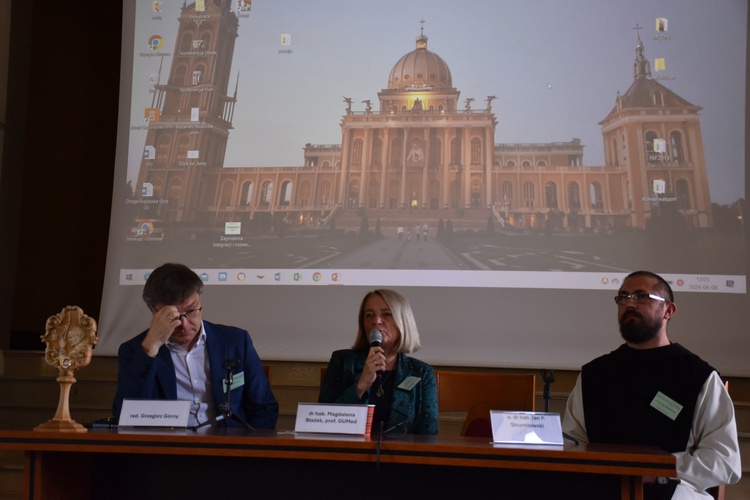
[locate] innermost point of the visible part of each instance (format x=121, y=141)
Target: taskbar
x=704, y=283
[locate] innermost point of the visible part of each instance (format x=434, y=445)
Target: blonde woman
x=401, y=387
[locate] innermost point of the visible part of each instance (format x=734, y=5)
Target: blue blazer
x=417, y=408
x=142, y=377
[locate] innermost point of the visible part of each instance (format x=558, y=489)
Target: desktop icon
x=195, y=114
x=143, y=227
x=155, y=42
x=244, y=5
x=659, y=186
x=149, y=153
x=200, y=5
x=661, y=24
x=147, y=190
x=660, y=146
x=151, y=115
x=193, y=154
x=233, y=228
x=156, y=6
x=660, y=64
x=286, y=39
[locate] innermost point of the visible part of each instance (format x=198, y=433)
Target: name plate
x=526, y=427
x=334, y=418
x=154, y=413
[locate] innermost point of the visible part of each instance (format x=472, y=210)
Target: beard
x=638, y=330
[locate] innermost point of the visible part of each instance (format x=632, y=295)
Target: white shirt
x=712, y=456
x=193, y=378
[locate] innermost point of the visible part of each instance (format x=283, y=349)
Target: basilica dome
x=420, y=69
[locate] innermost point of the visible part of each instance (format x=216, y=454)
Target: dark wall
x=58, y=161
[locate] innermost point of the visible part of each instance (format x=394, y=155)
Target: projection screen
x=502, y=164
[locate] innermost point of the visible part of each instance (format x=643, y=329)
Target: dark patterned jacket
x=414, y=411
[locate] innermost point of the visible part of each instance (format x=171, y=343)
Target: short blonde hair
x=402, y=315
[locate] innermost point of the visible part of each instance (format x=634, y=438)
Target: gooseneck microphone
x=230, y=364
x=226, y=407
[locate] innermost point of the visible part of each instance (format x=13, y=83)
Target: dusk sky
x=556, y=67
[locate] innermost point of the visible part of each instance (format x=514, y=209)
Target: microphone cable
x=383, y=432
x=378, y=477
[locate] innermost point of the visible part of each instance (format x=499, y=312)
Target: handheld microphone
x=376, y=338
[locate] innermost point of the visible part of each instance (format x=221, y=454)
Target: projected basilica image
x=420, y=155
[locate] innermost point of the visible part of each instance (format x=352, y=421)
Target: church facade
x=418, y=148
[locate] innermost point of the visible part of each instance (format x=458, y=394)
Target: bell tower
x=191, y=114
x=655, y=136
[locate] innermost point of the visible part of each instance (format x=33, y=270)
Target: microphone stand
x=548, y=376
x=226, y=415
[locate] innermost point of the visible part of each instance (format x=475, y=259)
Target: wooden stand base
x=61, y=426
x=62, y=422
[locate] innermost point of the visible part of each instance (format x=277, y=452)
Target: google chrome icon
x=155, y=42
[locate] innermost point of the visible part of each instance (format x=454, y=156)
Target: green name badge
x=409, y=383
x=666, y=405
x=238, y=380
